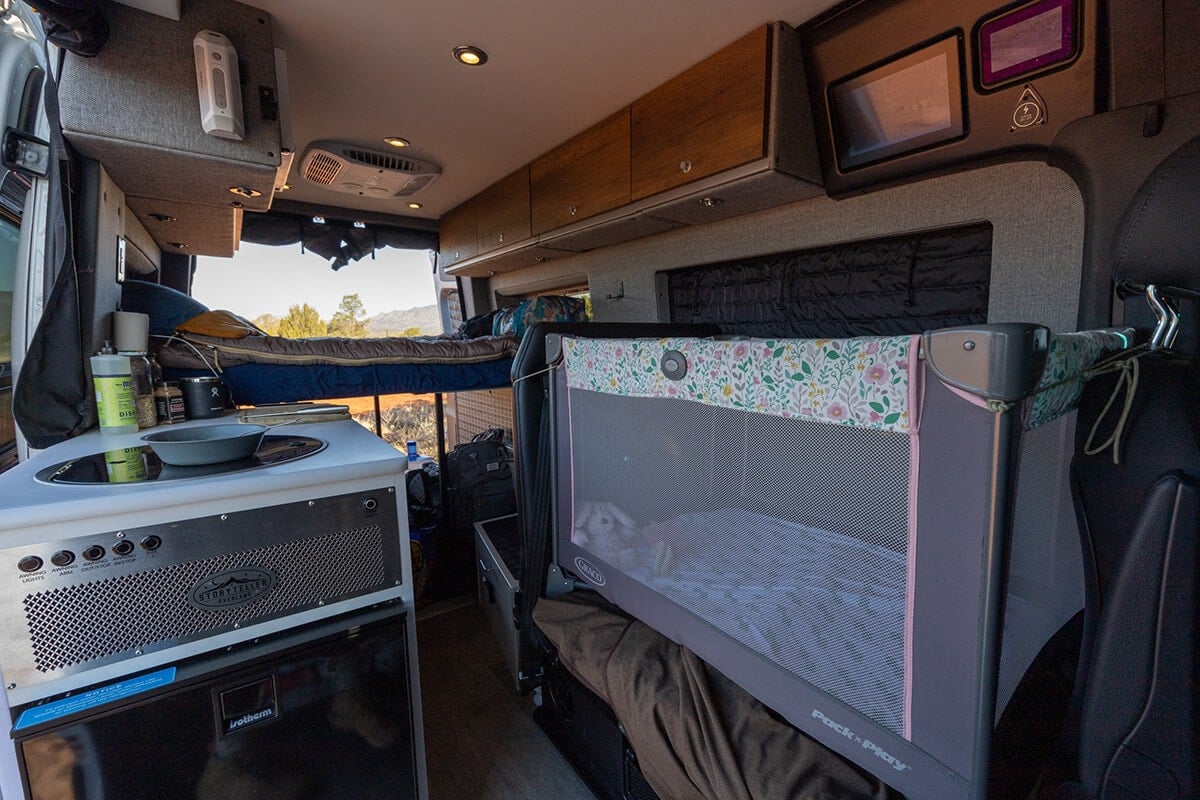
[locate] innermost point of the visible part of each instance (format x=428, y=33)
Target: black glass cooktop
x=141, y=465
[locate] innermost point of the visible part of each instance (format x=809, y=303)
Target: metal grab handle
x=485, y=579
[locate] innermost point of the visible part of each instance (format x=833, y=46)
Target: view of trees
x=348, y=320
x=302, y=321
x=399, y=423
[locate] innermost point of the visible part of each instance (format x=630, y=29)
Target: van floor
x=481, y=742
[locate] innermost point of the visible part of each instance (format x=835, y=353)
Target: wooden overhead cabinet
x=458, y=238
x=582, y=177
x=502, y=211
x=705, y=120
x=730, y=136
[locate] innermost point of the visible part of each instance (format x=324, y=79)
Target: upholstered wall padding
x=206, y=230
x=142, y=255
x=134, y=106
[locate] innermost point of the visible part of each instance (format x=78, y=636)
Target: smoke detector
x=363, y=171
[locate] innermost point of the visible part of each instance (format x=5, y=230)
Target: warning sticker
x=93, y=698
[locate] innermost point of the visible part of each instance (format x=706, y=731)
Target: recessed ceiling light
x=470, y=55
x=414, y=206
x=397, y=141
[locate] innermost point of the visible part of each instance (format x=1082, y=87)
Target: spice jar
x=143, y=389
x=168, y=402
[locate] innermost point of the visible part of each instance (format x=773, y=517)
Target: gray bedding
x=698, y=736
x=221, y=353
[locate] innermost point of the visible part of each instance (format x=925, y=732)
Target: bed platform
x=271, y=369
x=190, y=340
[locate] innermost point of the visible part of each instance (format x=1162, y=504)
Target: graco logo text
x=231, y=589
x=589, y=570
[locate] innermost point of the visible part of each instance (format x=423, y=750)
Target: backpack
x=479, y=483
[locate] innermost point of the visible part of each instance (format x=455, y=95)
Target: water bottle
x=112, y=378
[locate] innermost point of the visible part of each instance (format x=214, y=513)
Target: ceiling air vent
x=369, y=173
x=322, y=169
x=384, y=160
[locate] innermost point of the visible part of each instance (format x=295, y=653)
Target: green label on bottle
x=125, y=465
x=115, y=402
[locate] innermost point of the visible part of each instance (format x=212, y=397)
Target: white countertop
x=353, y=455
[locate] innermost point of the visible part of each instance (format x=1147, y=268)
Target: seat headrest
x=1158, y=241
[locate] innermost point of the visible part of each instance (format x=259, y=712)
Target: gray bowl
x=208, y=444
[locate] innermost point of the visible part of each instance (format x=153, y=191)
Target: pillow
x=166, y=307
x=221, y=324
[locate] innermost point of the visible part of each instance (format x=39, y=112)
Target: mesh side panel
x=76, y=624
x=716, y=510
x=475, y=412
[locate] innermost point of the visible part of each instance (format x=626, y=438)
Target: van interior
x=816, y=401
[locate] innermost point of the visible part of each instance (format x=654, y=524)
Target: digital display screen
x=1026, y=40
x=907, y=104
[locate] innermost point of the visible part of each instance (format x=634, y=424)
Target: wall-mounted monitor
x=903, y=105
x=1026, y=40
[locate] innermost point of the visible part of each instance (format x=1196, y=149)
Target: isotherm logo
x=589, y=570
x=249, y=719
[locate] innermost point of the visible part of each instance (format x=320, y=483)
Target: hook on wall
x=620, y=292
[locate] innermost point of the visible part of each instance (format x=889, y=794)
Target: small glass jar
x=143, y=390
x=168, y=402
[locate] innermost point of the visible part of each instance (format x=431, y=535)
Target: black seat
x=1133, y=729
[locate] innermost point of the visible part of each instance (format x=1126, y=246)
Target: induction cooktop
x=139, y=464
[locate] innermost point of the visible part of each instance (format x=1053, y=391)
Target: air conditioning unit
x=362, y=171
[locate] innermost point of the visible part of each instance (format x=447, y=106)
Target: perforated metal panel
x=201, y=577
x=475, y=412
x=718, y=511
x=80, y=623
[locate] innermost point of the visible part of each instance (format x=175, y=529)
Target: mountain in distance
x=268, y=322
x=389, y=323
x=396, y=322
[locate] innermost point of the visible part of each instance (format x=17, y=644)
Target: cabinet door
x=456, y=234
x=582, y=177
x=502, y=211
x=707, y=119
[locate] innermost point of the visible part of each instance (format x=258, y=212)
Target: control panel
x=75, y=604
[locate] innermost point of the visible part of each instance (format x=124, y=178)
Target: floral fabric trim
x=1068, y=356
x=862, y=382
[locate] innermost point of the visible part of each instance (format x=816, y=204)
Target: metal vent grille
x=13, y=189
x=381, y=160
x=415, y=185
x=322, y=169
x=81, y=623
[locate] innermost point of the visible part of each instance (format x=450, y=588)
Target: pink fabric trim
x=916, y=401
x=973, y=399
x=916, y=385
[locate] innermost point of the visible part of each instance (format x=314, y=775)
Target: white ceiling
x=360, y=70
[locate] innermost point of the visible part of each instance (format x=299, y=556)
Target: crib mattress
x=827, y=607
